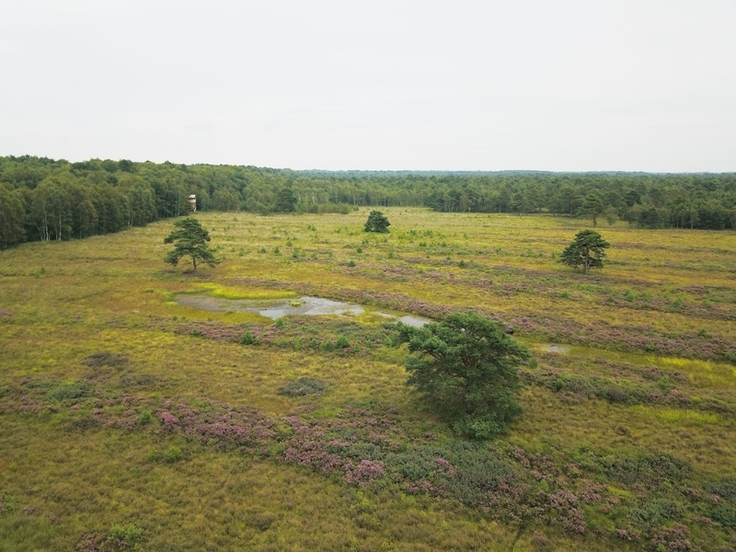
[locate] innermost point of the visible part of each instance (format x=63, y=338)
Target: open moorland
x=129, y=421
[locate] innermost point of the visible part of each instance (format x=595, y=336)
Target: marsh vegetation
x=130, y=418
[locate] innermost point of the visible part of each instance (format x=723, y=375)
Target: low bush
x=249, y=339
x=173, y=454
x=651, y=470
x=70, y=392
x=125, y=537
x=97, y=360
x=137, y=381
x=656, y=512
x=726, y=489
x=145, y=417
x=84, y=423
x=301, y=387
x=725, y=514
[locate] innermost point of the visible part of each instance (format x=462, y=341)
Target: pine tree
x=586, y=250
x=377, y=222
x=466, y=368
x=190, y=239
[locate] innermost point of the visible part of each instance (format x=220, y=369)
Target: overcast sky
x=428, y=85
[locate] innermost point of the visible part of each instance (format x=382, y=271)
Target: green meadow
x=130, y=422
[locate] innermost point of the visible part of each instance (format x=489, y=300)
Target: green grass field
x=129, y=422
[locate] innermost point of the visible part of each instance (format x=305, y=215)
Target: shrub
x=154, y=455
x=137, y=380
x=249, y=339
x=145, y=417
x=125, y=537
x=259, y=521
x=70, y=392
x=725, y=514
x=173, y=454
x=97, y=360
x=725, y=489
x=84, y=423
x=665, y=384
x=327, y=346
x=301, y=387
x=653, y=471
x=657, y=512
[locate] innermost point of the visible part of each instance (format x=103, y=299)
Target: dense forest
x=46, y=199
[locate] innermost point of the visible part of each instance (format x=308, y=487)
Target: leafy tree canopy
x=377, y=222
x=593, y=207
x=586, y=250
x=190, y=239
x=60, y=200
x=286, y=200
x=466, y=368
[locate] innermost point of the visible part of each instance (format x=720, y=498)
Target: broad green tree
x=586, y=250
x=593, y=207
x=466, y=368
x=225, y=199
x=190, y=239
x=12, y=218
x=611, y=214
x=285, y=200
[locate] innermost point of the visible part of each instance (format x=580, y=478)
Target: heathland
x=129, y=421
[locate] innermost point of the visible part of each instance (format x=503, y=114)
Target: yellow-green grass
x=206, y=501
x=62, y=302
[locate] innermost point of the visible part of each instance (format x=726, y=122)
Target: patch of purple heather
x=365, y=472
x=168, y=421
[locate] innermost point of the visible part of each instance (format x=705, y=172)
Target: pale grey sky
x=465, y=85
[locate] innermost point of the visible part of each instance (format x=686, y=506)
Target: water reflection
x=553, y=348
x=276, y=308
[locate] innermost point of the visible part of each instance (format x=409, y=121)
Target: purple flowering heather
x=366, y=471
x=168, y=421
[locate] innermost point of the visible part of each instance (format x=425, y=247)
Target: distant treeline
x=44, y=199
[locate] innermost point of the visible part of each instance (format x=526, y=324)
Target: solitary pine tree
x=586, y=250
x=190, y=239
x=377, y=222
x=466, y=368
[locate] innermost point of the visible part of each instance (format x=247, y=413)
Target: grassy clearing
x=174, y=428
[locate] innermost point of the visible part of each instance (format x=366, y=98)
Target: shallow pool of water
x=276, y=308
x=416, y=321
x=553, y=348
